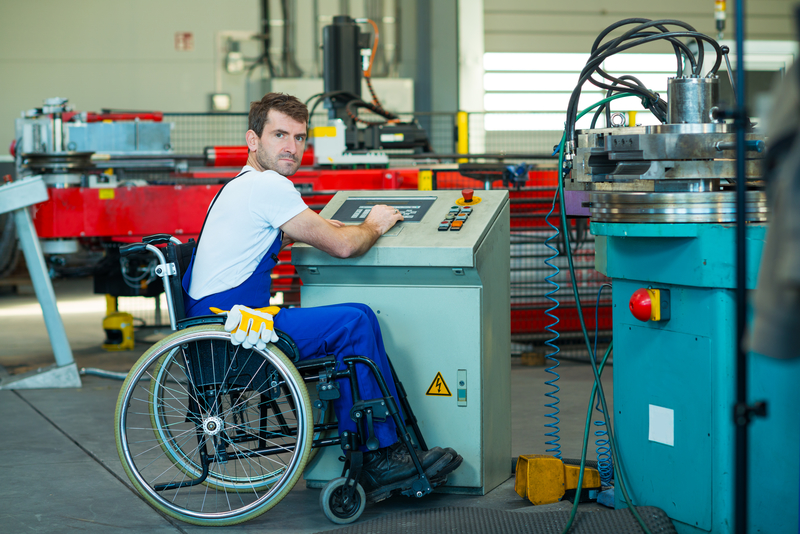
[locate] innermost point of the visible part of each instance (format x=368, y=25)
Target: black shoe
x=386, y=467
x=426, y=458
x=436, y=462
x=449, y=462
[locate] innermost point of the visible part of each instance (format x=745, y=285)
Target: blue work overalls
x=341, y=329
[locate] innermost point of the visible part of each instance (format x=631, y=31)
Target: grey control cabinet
x=442, y=301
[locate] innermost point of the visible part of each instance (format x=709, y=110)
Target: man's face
x=281, y=145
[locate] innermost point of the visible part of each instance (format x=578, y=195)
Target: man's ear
x=252, y=140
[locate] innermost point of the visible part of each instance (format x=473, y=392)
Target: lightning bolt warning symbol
x=438, y=387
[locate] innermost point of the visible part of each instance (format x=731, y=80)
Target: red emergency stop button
x=650, y=304
x=467, y=194
x=641, y=304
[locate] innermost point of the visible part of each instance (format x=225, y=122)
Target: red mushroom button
x=641, y=304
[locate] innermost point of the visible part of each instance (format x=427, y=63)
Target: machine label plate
x=438, y=387
x=356, y=209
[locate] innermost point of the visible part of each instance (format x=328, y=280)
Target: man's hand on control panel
x=337, y=239
x=383, y=217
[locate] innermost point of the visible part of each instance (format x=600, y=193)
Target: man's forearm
x=358, y=239
x=337, y=239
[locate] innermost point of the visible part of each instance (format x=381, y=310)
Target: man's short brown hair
x=286, y=104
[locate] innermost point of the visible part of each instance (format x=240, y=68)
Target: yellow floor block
x=544, y=479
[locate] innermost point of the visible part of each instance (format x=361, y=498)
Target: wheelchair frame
x=213, y=434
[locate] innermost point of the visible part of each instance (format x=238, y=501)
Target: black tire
x=252, y=421
x=332, y=501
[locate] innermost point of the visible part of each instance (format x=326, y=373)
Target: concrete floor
x=60, y=465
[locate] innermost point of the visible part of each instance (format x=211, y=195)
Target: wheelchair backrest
x=180, y=255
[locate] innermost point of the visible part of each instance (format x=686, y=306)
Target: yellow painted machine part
x=122, y=322
x=425, y=181
x=111, y=304
x=323, y=131
x=462, y=126
x=475, y=200
x=544, y=479
x=655, y=304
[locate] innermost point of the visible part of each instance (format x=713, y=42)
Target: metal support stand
x=15, y=198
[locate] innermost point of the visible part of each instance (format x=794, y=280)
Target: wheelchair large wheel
x=213, y=434
x=165, y=373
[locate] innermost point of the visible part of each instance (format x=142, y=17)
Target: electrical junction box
x=442, y=301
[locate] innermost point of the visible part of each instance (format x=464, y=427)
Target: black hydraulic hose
x=636, y=21
x=660, y=25
x=355, y=104
x=285, y=43
x=682, y=50
x=607, y=50
x=592, y=64
x=596, y=61
x=265, y=34
x=655, y=104
x=614, y=88
x=742, y=423
x=332, y=94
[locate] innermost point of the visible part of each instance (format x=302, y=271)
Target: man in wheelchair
x=252, y=218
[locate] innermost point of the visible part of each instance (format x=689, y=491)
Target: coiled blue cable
x=553, y=442
x=604, y=462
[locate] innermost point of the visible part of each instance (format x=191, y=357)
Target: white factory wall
x=539, y=26
x=122, y=55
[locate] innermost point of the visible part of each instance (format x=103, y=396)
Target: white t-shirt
x=244, y=222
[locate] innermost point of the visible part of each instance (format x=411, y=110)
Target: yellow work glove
x=250, y=327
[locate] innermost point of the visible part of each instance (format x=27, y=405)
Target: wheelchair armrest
x=314, y=364
x=133, y=248
x=287, y=345
x=156, y=239
x=284, y=343
x=200, y=320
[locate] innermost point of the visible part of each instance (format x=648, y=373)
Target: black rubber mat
x=488, y=521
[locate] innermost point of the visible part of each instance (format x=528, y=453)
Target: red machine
x=127, y=213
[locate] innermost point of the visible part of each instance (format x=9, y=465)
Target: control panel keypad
x=455, y=218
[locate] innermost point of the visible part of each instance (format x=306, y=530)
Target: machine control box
x=456, y=373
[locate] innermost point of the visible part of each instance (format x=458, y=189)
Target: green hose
x=598, y=385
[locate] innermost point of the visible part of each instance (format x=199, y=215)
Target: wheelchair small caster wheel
x=332, y=500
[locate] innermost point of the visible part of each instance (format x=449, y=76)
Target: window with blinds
x=530, y=91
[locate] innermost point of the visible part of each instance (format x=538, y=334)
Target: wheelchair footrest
x=369, y=411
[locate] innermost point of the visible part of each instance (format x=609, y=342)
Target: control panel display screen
x=356, y=209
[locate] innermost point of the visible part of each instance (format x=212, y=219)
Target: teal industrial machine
x=439, y=284
x=662, y=204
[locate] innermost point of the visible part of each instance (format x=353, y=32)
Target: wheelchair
x=213, y=434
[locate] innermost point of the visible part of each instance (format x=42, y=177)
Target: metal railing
x=531, y=202
x=192, y=132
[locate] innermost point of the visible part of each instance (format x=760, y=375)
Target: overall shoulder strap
x=212, y=204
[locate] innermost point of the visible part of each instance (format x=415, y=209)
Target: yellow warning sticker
x=438, y=387
x=106, y=194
